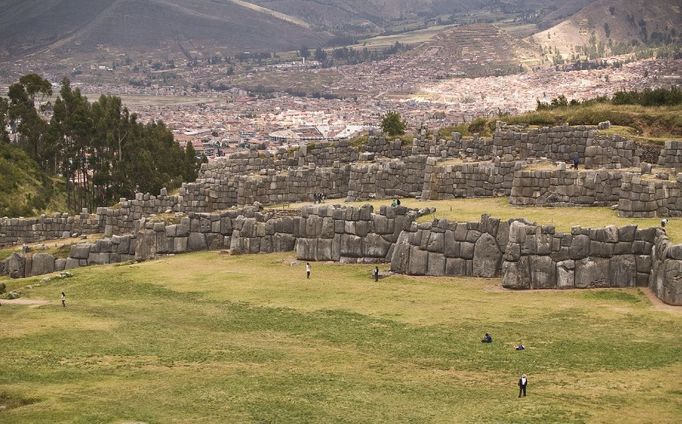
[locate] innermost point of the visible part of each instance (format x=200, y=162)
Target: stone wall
x=474, y=179
x=556, y=143
x=644, y=197
x=316, y=232
x=671, y=155
x=525, y=255
x=295, y=185
x=612, y=152
x=666, y=276
x=537, y=257
x=380, y=146
x=121, y=218
x=387, y=178
x=449, y=248
x=565, y=187
x=350, y=234
x=29, y=230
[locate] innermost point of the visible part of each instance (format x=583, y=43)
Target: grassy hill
x=71, y=26
x=607, y=27
x=24, y=189
x=644, y=123
x=215, y=338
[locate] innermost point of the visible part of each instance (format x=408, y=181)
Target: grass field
x=563, y=218
x=215, y=338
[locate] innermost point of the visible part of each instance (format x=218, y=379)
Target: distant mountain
x=31, y=25
x=606, y=27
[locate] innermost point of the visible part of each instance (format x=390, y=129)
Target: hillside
x=607, y=27
x=24, y=189
x=71, y=26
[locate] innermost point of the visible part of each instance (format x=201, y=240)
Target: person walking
x=308, y=270
x=523, y=382
x=376, y=274
x=63, y=300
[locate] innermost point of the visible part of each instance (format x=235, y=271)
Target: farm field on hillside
x=215, y=338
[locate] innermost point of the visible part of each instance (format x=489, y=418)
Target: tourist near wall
x=524, y=255
x=289, y=175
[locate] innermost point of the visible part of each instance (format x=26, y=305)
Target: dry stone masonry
x=529, y=166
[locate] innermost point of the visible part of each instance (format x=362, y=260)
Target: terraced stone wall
x=566, y=187
x=473, y=179
x=387, y=178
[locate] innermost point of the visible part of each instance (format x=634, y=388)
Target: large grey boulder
x=671, y=288
x=515, y=275
x=436, y=264
x=145, y=246
x=16, y=266
x=180, y=244
x=71, y=263
x=197, y=242
x=419, y=260
x=60, y=264
x=80, y=251
x=43, y=263
x=400, y=260
x=580, y=247
x=565, y=278
x=376, y=246
x=542, y=272
x=592, y=272
x=623, y=271
x=351, y=246
x=456, y=266
x=487, y=257
x=324, y=250
x=306, y=249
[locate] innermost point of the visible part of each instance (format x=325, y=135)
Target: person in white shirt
x=523, y=382
x=308, y=269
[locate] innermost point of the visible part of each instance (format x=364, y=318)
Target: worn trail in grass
x=213, y=338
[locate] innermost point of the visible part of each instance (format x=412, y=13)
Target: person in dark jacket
x=523, y=382
x=487, y=338
x=376, y=274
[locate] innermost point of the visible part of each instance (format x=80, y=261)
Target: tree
x=304, y=52
x=4, y=121
x=320, y=55
x=393, y=124
x=99, y=149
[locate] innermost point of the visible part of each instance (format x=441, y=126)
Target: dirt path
x=33, y=303
x=658, y=303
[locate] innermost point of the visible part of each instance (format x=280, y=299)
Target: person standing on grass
x=376, y=274
x=63, y=300
x=523, y=382
x=308, y=269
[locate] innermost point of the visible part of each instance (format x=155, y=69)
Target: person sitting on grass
x=520, y=347
x=487, y=338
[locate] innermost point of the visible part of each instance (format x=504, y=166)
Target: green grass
x=214, y=338
x=24, y=189
x=563, y=218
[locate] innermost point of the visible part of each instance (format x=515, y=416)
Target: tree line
x=100, y=149
x=648, y=97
